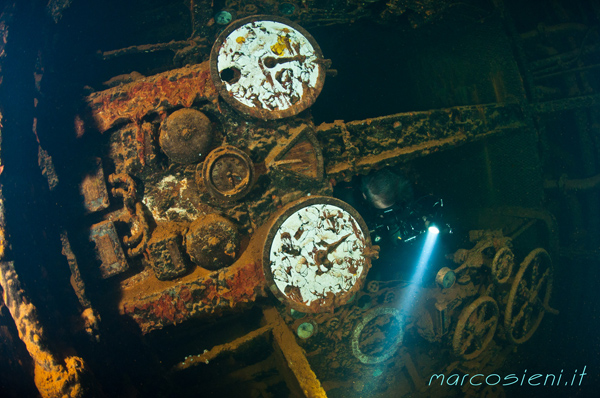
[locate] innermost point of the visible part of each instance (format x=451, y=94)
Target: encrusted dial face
x=228, y=173
x=267, y=68
x=316, y=255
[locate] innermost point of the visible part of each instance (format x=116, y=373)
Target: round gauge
x=316, y=255
x=267, y=67
x=306, y=330
x=228, y=173
x=445, y=278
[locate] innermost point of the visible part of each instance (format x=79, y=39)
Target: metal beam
x=359, y=146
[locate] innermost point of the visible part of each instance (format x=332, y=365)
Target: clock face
x=315, y=254
x=267, y=67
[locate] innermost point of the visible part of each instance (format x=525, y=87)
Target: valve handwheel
x=502, y=265
x=475, y=328
x=386, y=321
x=529, y=296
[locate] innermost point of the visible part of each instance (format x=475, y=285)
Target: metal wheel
x=385, y=351
x=529, y=296
x=373, y=287
x=502, y=265
x=476, y=327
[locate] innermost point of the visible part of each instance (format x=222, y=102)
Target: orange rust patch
x=155, y=303
x=242, y=285
x=133, y=101
x=164, y=308
x=185, y=294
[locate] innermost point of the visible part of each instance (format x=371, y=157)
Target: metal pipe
x=54, y=377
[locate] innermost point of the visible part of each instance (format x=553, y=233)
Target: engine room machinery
x=202, y=247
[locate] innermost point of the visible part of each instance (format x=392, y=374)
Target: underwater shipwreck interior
x=301, y=198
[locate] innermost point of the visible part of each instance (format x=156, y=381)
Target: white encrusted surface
x=293, y=253
x=276, y=88
x=181, y=208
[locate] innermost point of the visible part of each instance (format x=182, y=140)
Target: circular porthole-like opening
x=231, y=75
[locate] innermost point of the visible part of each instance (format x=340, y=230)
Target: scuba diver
x=398, y=223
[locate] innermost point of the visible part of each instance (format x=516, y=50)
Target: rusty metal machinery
x=186, y=135
x=529, y=296
x=317, y=254
x=267, y=67
x=234, y=209
x=212, y=199
x=198, y=232
x=469, y=322
x=228, y=173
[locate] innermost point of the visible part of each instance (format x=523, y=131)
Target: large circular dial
x=267, y=67
x=317, y=254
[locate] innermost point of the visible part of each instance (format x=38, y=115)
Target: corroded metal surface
x=93, y=189
x=228, y=173
x=124, y=186
x=317, y=254
x=166, y=253
x=76, y=279
x=267, y=67
x=199, y=294
x=257, y=176
x=358, y=146
x=158, y=93
x=185, y=136
x=475, y=328
x=529, y=296
x=463, y=322
x=215, y=352
x=54, y=376
x=293, y=158
x=108, y=249
x=502, y=265
x=166, y=198
x=153, y=304
x=299, y=158
x=294, y=356
x=397, y=334
x=297, y=367
x=212, y=242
